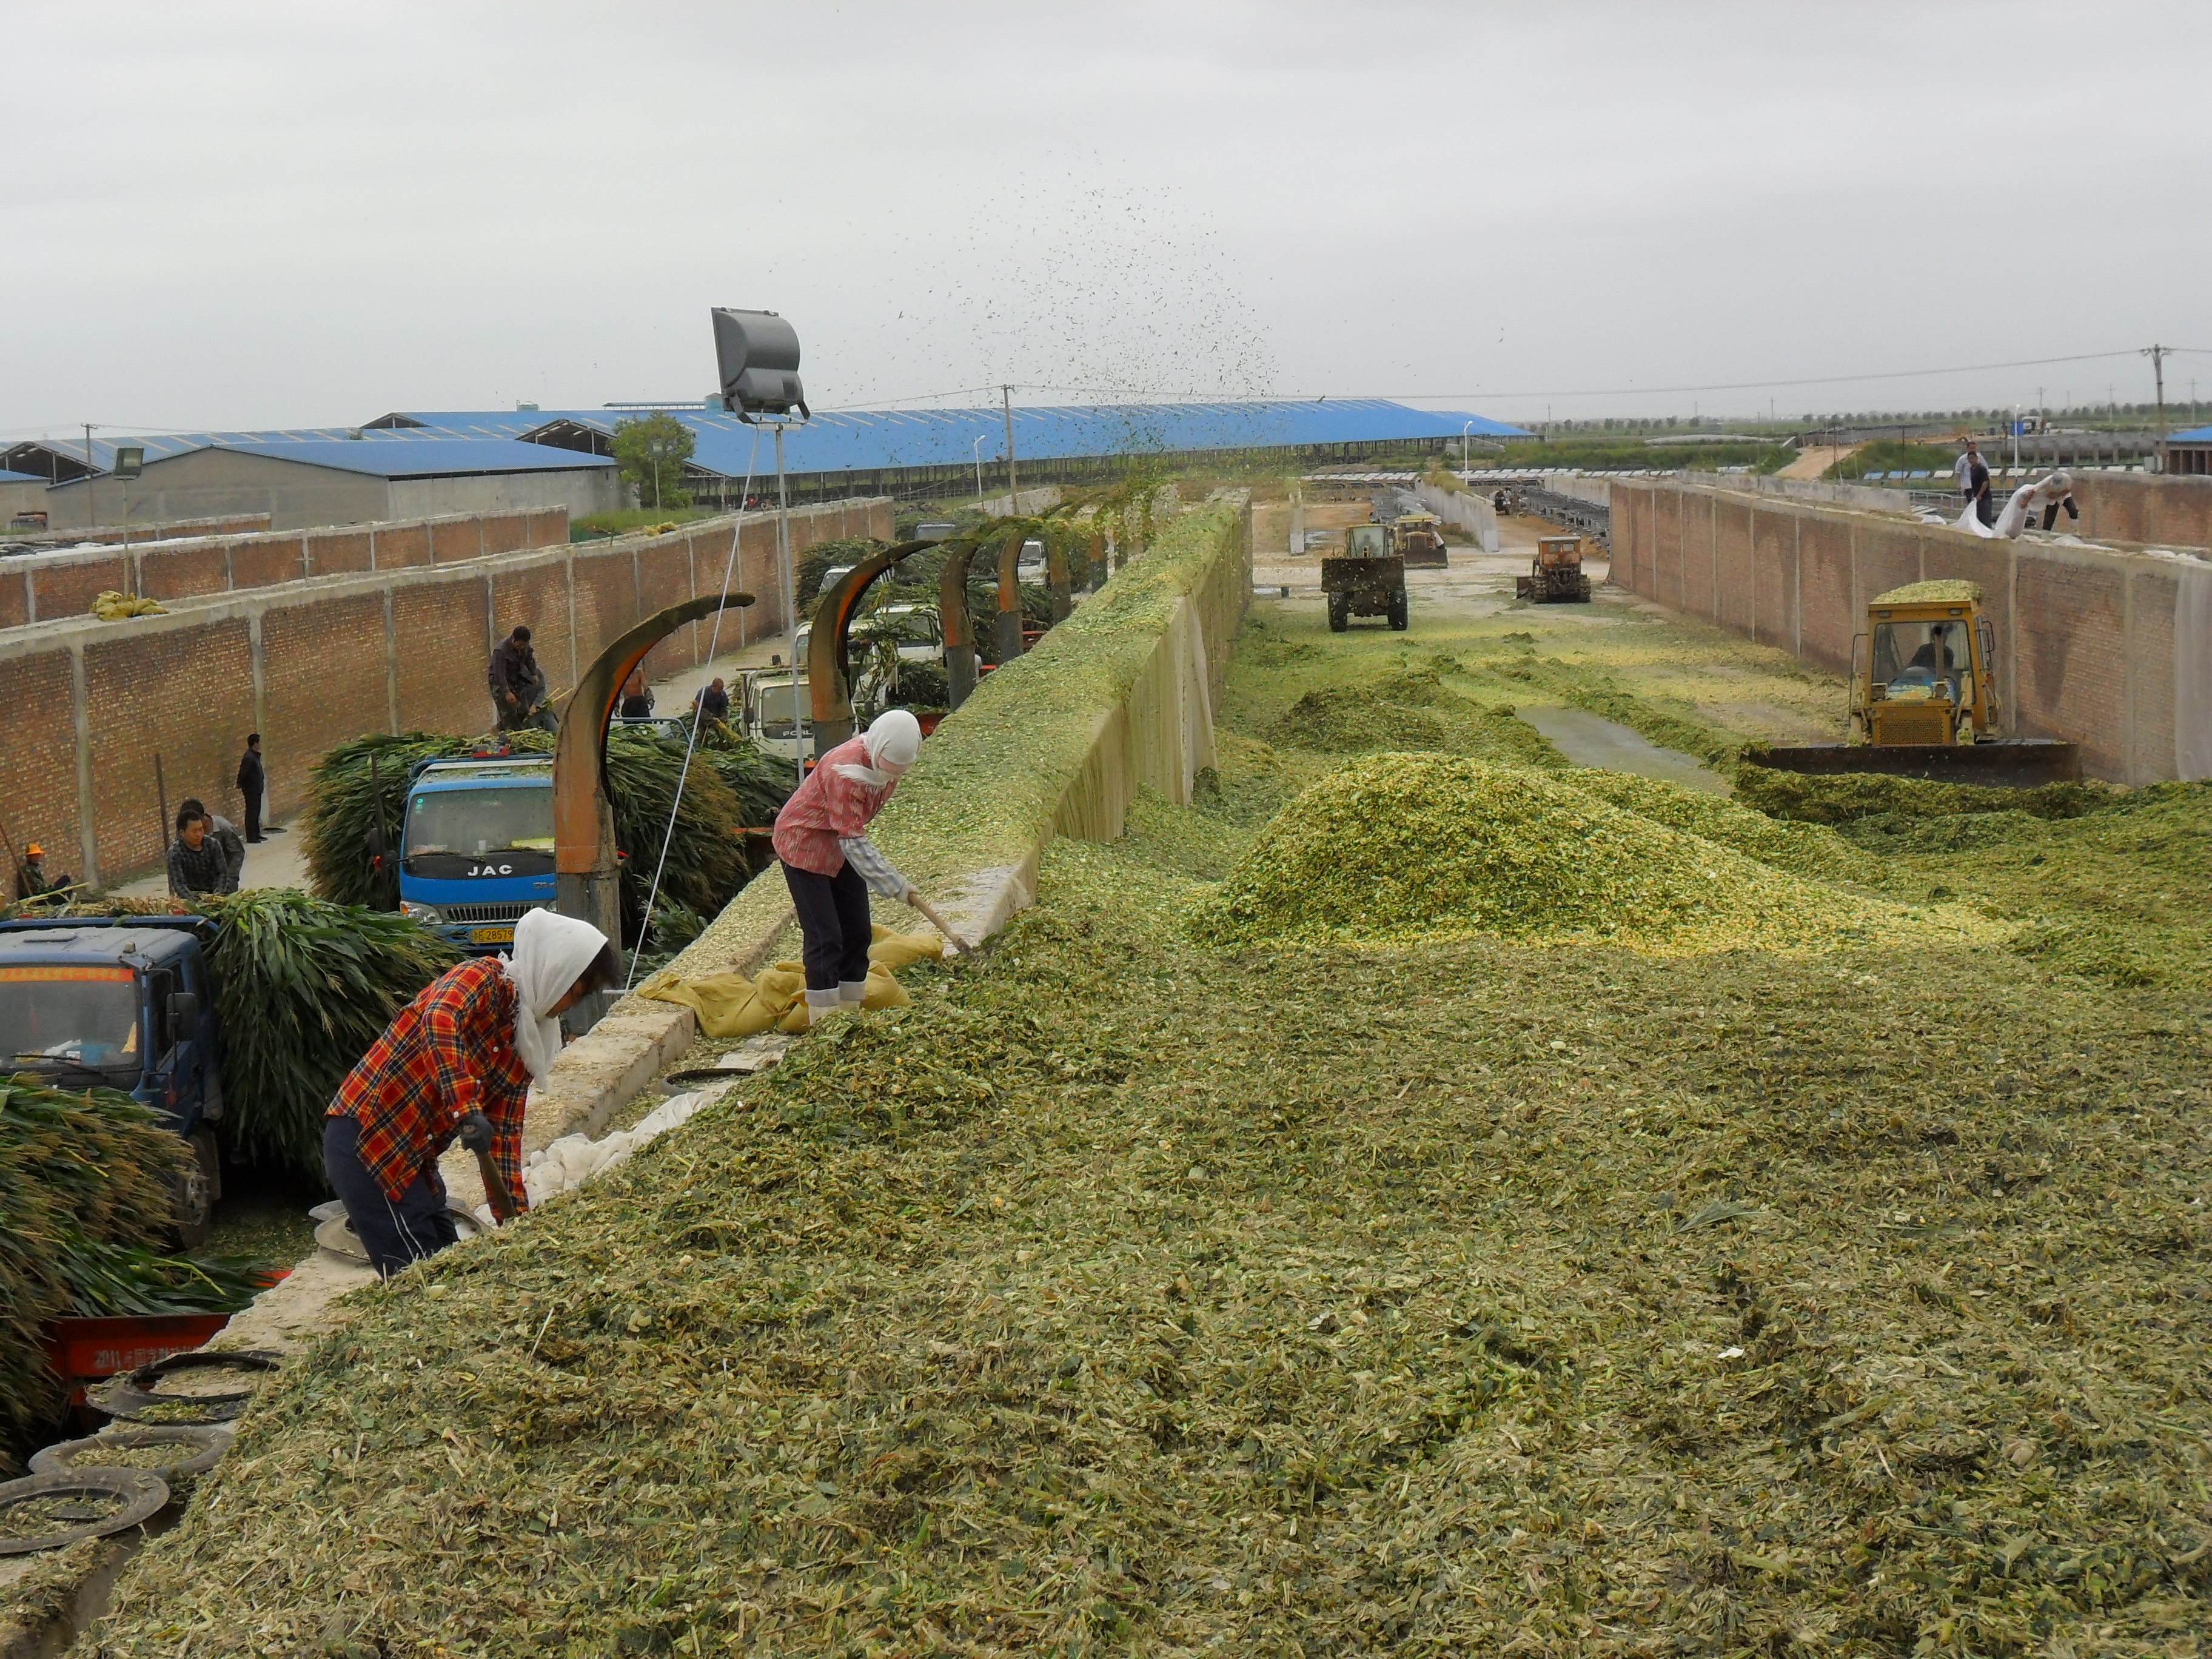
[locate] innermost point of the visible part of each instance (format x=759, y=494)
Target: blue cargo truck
x=476, y=847
x=123, y=1003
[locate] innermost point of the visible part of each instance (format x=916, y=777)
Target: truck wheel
x=1339, y=613
x=194, y=1194
x=1398, y=617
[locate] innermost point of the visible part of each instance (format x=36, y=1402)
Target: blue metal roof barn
x=415, y=454
x=880, y=442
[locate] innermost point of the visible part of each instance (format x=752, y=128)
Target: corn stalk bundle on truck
x=1555, y=575
x=1925, y=699
x=1368, y=579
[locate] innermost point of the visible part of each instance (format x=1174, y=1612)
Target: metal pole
x=790, y=601
x=2158, y=371
x=975, y=449
x=2015, y=437
x=1013, y=490
x=91, y=518
x=162, y=801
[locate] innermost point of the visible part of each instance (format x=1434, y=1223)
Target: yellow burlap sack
x=732, y=1005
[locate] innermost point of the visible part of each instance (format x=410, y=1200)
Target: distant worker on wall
x=31, y=880
x=456, y=1063
x=208, y=855
x=518, y=686
x=250, y=780
x=637, y=697
x=831, y=866
x=1973, y=476
x=2044, y=497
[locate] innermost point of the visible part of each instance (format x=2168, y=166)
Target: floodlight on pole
x=1463, y=426
x=756, y=362
x=976, y=450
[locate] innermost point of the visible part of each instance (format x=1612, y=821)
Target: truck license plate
x=492, y=935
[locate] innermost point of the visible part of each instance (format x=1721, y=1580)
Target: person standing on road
x=518, y=686
x=456, y=1063
x=831, y=867
x=251, y=777
x=637, y=697
x=208, y=855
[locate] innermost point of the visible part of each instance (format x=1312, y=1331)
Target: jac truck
x=476, y=847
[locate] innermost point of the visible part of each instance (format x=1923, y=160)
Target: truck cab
x=122, y=1003
x=778, y=717
x=476, y=848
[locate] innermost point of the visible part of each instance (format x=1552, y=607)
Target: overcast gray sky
x=226, y=213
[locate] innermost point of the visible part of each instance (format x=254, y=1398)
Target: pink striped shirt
x=827, y=808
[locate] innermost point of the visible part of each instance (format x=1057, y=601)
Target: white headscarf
x=550, y=954
x=892, y=740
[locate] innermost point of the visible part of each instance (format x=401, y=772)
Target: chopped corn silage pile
x=1123, y=1294
x=1400, y=848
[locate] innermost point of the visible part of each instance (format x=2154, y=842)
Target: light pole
x=976, y=449
x=1462, y=444
x=660, y=449
x=756, y=353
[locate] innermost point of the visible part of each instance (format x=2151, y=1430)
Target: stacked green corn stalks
x=1402, y=847
x=304, y=988
x=85, y=1198
x=359, y=794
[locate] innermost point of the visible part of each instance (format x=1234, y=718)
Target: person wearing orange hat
x=32, y=881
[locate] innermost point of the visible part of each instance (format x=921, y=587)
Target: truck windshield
x=778, y=704
x=1922, y=660
x=475, y=822
x=72, y=1019
x=1370, y=541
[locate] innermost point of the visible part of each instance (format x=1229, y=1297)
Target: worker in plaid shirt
x=458, y=1061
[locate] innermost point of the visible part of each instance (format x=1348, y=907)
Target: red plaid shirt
x=448, y=1053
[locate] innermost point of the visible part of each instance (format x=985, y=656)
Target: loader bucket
x=2002, y=764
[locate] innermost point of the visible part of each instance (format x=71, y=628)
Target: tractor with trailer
x=1925, y=699
x=1367, y=579
x=1555, y=575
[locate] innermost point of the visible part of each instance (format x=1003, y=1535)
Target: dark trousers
x=253, y=814
x=395, y=1230
x=832, y=920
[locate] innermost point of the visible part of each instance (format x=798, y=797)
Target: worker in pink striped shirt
x=831, y=867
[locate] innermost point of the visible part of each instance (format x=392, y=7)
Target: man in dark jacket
x=713, y=700
x=251, y=779
x=518, y=686
x=208, y=855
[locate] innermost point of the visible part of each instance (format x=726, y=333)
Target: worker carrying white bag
x=2045, y=496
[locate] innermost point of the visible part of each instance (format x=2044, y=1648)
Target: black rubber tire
x=144, y=1496
x=1340, y=614
x=194, y=1193
x=199, y=1448
x=1398, y=613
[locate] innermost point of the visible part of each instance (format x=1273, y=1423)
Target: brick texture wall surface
x=1732, y=537
x=1667, y=548
x=67, y=590
x=265, y=561
x=338, y=552
x=183, y=687
x=440, y=631
x=15, y=598
x=322, y=683
x=37, y=763
x=195, y=567
x=1700, y=592
x=2070, y=673
x=546, y=529
x=1774, y=574
x=665, y=577
x=400, y=545
x=2151, y=601
x=453, y=540
x=1888, y=558
x=1827, y=616
x=2128, y=507
x=184, y=693
x=509, y=532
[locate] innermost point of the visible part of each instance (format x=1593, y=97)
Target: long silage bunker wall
x=312, y=663
x=1463, y=510
x=2094, y=644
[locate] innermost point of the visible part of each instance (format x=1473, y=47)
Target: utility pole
x=1013, y=495
x=2157, y=356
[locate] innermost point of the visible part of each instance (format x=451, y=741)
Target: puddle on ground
x=1588, y=739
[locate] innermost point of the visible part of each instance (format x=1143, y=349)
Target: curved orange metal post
x=1010, y=596
x=959, y=626
x=585, y=872
x=829, y=656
